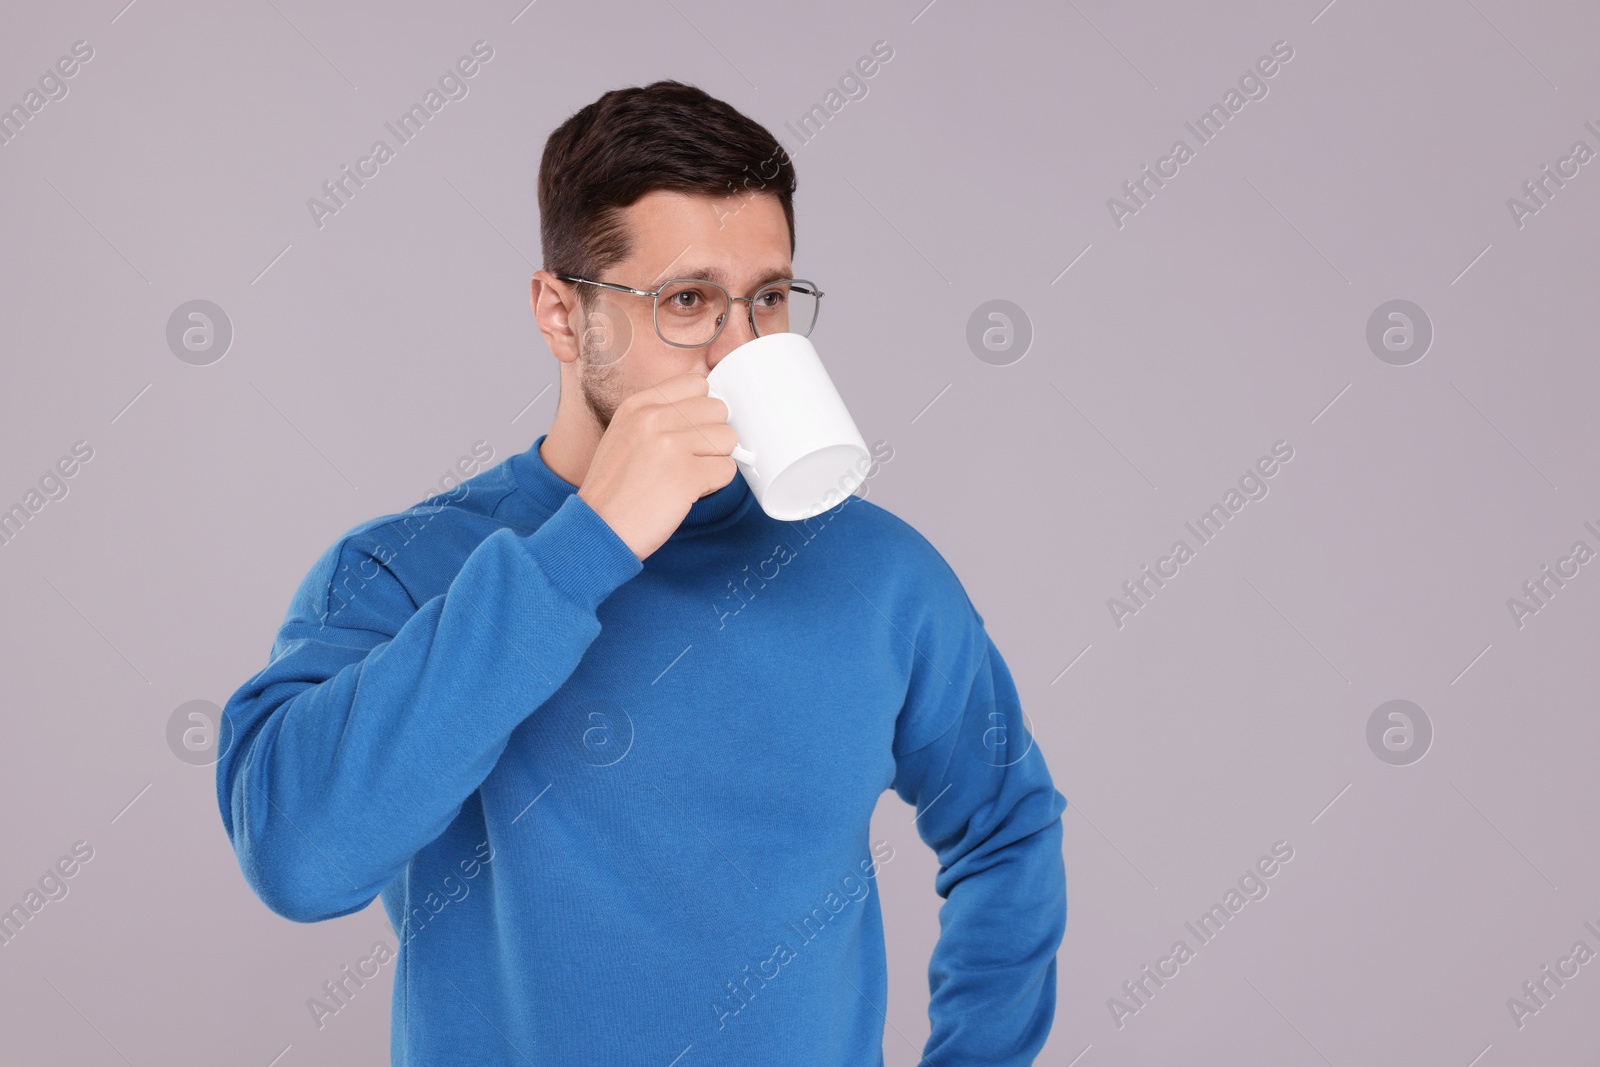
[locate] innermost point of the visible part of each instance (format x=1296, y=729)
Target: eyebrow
x=720, y=276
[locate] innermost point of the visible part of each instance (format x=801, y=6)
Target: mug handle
x=740, y=453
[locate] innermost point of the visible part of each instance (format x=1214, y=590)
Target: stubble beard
x=600, y=383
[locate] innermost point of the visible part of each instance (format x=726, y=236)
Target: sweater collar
x=549, y=490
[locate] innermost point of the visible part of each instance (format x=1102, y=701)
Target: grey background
x=1228, y=314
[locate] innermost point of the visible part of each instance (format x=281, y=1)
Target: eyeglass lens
x=688, y=311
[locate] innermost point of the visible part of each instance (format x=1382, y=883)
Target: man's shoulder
x=880, y=524
x=397, y=561
x=469, y=511
x=893, y=542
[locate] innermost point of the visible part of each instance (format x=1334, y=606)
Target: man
x=605, y=737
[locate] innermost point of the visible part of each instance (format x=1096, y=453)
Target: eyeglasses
x=691, y=312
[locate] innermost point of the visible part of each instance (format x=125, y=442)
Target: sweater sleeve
x=359, y=742
x=987, y=807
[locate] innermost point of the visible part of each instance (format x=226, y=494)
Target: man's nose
x=735, y=332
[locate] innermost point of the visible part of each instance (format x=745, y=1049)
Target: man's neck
x=569, y=447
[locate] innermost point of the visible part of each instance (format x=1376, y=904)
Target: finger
x=697, y=411
x=711, y=439
x=714, y=472
x=680, y=387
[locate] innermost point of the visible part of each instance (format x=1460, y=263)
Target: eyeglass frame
x=749, y=301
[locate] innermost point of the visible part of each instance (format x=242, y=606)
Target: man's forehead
x=730, y=240
x=713, y=265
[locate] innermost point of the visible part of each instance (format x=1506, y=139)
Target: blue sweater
x=618, y=812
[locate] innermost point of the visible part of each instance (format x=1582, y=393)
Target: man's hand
x=667, y=446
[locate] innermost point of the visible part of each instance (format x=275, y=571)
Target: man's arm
x=368, y=729
x=988, y=809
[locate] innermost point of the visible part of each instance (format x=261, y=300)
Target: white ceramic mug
x=798, y=447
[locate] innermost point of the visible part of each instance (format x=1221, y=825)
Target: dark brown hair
x=633, y=141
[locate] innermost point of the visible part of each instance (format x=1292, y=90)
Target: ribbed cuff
x=581, y=554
